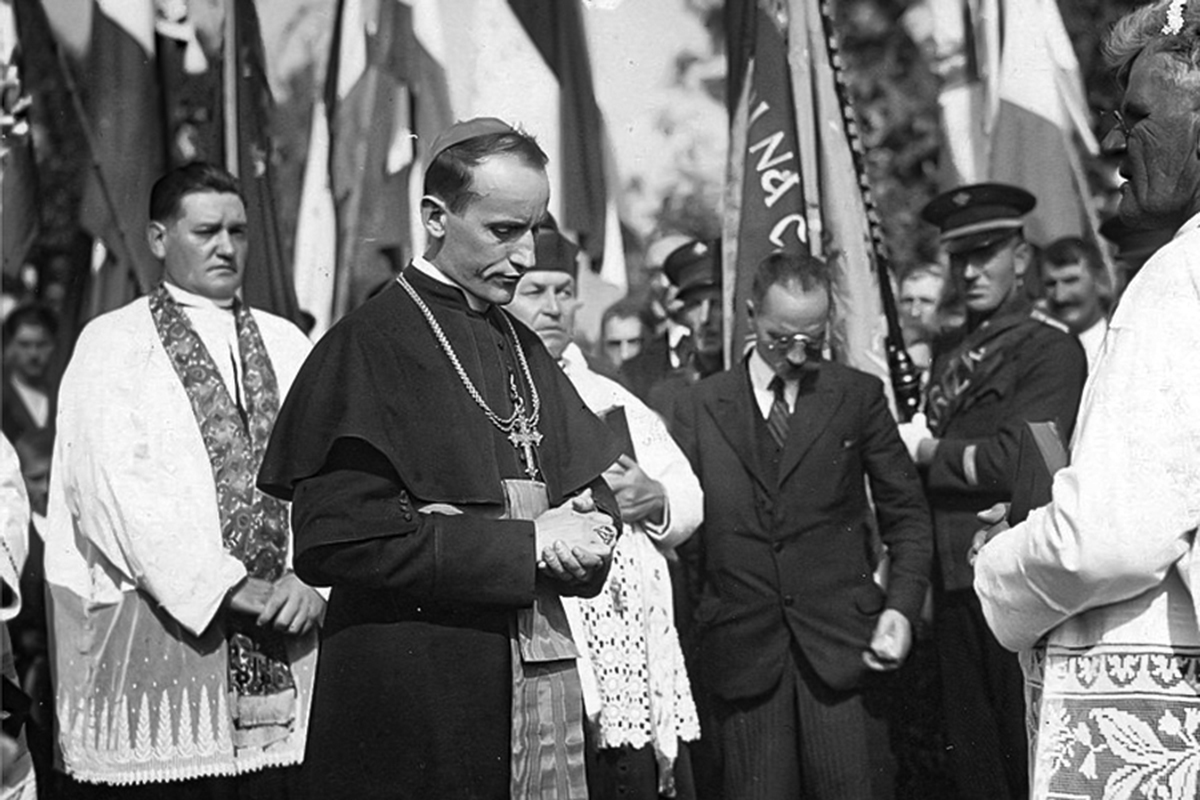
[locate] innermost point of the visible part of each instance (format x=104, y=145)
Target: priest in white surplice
x=1099, y=590
x=183, y=644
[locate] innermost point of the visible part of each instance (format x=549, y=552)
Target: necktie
x=777, y=420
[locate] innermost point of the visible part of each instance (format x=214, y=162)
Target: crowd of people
x=454, y=550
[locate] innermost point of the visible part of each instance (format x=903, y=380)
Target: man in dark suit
x=790, y=617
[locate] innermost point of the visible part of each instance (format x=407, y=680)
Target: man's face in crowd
x=622, y=339
x=488, y=245
x=990, y=276
x=919, y=298
x=789, y=326
x=1072, y=294
x=28, y=354
x=203, y=248
x=545, y=301
x=704, y=317
x=1160, y=159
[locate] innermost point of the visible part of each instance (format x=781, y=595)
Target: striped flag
x=400, y=72
x=268, y=283
x=383, y=91
x=1042, y=123
x=796, y=177
x=18, y=179
x=526, y=62
x=118, y=93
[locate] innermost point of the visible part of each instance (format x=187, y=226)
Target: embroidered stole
x=254, y=526
x=547, y=707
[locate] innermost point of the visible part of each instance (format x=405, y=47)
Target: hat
x=554, y=252
x=694, y=266
x=463, y=131
x=1136, y=244
x=656, y=254
x=979, y=215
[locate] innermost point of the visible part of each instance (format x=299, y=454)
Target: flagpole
x=906, y=382
x=124, y=249
x=229, y=86
x=349, y=230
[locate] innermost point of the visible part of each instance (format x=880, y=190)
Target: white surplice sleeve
x=132, y=500
x=660, y=457
x=1125, y=512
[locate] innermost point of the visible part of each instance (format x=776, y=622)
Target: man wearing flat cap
x=1008, y=366
x=445, y=479
x=694, y=340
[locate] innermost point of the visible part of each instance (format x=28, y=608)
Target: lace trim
x=1114, y=722
x=109, y=743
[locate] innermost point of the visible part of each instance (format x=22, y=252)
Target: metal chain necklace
x=521, y=431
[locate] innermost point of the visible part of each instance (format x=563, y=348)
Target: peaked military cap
x=976, y=216
x=694, y=266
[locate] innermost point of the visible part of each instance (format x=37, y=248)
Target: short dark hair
x=451, y=174
x=1072, y=249
x=625, y=308
x=784, y=268
x=198, y=176
x=30, y=314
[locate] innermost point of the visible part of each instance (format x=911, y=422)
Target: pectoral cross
x=525, y=437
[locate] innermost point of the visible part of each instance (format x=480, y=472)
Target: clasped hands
x=288, y=604
x=574, y=540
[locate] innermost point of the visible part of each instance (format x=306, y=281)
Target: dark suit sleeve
x=356, y=525
x=900, y=507
x=1048, y=387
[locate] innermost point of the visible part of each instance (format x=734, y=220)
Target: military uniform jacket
x=1012, y=369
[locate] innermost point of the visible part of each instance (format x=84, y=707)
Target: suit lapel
x=818, y=400
x=734, y=410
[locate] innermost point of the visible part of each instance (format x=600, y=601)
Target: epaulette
x=1046, y=319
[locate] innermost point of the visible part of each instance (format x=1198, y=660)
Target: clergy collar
x=193, y=300
x=427, y=267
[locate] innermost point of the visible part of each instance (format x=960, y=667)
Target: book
x=1040, y=453
x=618, y=423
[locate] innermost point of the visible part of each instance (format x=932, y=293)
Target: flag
x=122, y=119
x=18, y=179
x=768, y=206
x=961, y=41
x=796, y=179
x=315, y=262
x=527, y=62
x=556, y=30
x=268, y=281
x=1042, y=121
x=383, y=91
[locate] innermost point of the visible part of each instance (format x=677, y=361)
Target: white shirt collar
x=572, y=359
x=761, y=376
x=193, y=300
x=428, y=268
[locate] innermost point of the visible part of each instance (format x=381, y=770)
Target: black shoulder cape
x=379, y=375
